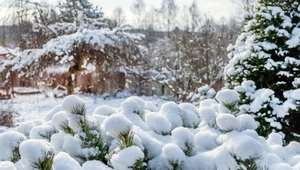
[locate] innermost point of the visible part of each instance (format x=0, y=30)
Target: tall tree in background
x=193, y=57
x=69, y=10
x=247, y=5
x=194, y=15
x=19, y=17
x=169, y=11
x=138, y=9
x=118, y=16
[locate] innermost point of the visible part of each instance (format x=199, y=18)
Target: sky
x=215, y=8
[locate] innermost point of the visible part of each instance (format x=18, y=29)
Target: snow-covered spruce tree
x=70, y=9
x=267, y=52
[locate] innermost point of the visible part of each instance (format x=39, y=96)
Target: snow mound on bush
x=63, y=161
x=71, y=102
x=117, y=124
x=33, y=150
x=126, y=158
x=9, y=141
x=227, y=96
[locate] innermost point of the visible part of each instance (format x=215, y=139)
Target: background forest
x=181, y=51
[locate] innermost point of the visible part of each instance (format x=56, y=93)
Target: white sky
x=215, y=8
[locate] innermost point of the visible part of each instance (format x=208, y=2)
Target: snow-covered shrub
x=128, y=158
x=36, y=154
x=10, y=142
x=228, y=100
x=194, y=138
x=158, y=123
x=267, y=53
x=184, y=138
x=202, y=93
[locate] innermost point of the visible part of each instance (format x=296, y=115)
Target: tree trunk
x=77, y=67
x=70, y=80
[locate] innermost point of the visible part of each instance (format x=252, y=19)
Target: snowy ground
x=137, y=134
x=37, y=105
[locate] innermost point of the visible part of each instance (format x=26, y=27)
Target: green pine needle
x=45, y=164
x=125, y=140
x=79, y=109
x=64, y=126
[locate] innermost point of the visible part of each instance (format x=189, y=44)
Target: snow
x=31, y=107
x=295, y=94
x=207, y=103
x=71, y=102
x=126, y=158
x=249, y=86
x=26, y=127
x=59, y=118
x=190, y=115
x=9, y=141
x=117, y=124
x=133, y=104
x=42, y=131
x=294, y=40
x=63, y=161
x=208, y=144
x=239, y=144
x=33, y=150
x=247, y=122
x=95, y=165
x=7, y=165
x=208, y=115
x=274, y=139
x=228, y=122
x=71, y=145
x=57, y=141
x=227, y=96
x=181, y=136
x=50, y=114
x=262, y=96
x=173, y=114
x=104, y=110
x=158, y=123
x=173, y=154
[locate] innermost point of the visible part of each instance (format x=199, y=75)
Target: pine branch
x=66, y=128
x=189, y=148
x=15, y=155
x=48, y=134
x=139, y=165
x=125, y=140
x=45, y=164
x=175, y=165
x=91, y=139
x=79, y=109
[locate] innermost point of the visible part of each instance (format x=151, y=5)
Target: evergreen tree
x=69, y=10
x=268, y=53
